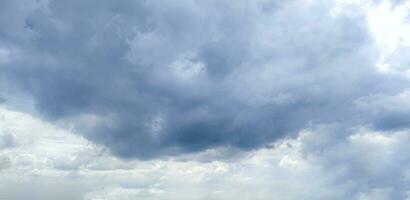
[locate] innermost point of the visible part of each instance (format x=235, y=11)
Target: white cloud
x=46, y=152
x=118, y=193
x=291, y=169
x=390, y=28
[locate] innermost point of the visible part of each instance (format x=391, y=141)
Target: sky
x=205, y=99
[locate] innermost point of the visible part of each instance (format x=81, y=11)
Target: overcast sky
x=205, y=99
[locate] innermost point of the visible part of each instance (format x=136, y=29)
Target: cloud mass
x=204, y=99
x=149, y=78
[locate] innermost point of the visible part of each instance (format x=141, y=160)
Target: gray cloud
x=164, y=78
x=363, y=162
x=7, y=140
x=4, y=162
x=51, y=163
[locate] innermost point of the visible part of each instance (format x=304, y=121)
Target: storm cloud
x=158, y=78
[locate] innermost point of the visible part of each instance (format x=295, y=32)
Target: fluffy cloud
x=162, y=78
x=219, y=99
x=48, y=162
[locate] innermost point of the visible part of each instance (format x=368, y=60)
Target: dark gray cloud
x=164, y=78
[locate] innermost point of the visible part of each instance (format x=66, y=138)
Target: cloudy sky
x=205, y=99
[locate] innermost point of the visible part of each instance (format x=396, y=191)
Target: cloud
x=367, y=163
x=95, y=174
x=387, y=111
x=4, y=162
x=216, y=99
x=319, y=163
x=150, y=79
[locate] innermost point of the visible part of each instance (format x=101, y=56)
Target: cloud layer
x=47, y=162
x=150, y=79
